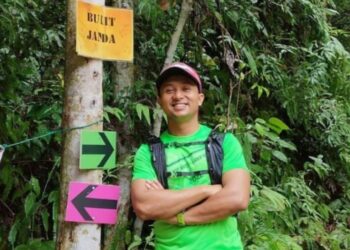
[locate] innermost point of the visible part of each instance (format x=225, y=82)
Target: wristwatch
x=180, y=217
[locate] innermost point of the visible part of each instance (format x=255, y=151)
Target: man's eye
x=168, y=90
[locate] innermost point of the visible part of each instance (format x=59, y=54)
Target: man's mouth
x=179, y=105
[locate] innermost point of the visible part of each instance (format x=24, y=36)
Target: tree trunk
x=83, y=104
x=115, y=238
x=186, y=8
x=123, y=78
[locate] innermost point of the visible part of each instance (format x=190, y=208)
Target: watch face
x=181, y=219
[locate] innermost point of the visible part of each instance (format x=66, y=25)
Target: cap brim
x=174, y=71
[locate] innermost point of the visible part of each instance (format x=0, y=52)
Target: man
x=191, y=213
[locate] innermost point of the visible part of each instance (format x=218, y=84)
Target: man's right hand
x=213, y=189
x=154, y=185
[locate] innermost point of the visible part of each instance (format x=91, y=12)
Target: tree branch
x=186, y=8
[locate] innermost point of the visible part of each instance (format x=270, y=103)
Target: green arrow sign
x=97, y=150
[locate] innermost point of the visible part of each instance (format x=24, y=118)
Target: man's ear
x=201, y=99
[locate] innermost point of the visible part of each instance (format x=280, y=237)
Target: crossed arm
x=203, y=204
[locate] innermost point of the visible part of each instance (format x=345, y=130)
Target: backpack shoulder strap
x=215, y=156
x=157, y=149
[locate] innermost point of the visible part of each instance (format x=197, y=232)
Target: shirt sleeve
x=233, y=154
x=143, y=168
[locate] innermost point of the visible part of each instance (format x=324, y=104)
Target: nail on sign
x=91, y=203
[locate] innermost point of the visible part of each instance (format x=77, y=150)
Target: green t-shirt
x=219, y=235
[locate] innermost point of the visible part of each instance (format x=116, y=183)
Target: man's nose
x=178, y=94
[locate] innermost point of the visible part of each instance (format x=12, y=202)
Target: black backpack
x=214, y=153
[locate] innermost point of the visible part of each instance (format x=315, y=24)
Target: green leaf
x=23, y=247
x=288, y=145
x=265, y=155
x=13, y=232
x=150, y=238
x=127, y=237
x=143, y=110
x=277, y=201
x=260, y=91
x=139, y=110
x=53, y=196
x=251, y=138
x=146, y=113
x=54, y=199
x=8, y=180
x=272, y=136
x=251, y=61
x=106, y=116
x=29, y=203
x=260, y=129
x=277, y=125
x=45, y=220
x=279, y=155
x=136, y=242
x=34, y=182
x=119, y=114
x=159, y=112
x=37, y=244
x=261, y=121
x=256, y=169
x=218, y=16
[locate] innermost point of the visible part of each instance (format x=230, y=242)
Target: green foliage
x=37, y=245
x=341, y=21
x=143, y=111
x=137, y=241
x=285, y=96
x=113, y=111
x=30, y=105
x=291, y=89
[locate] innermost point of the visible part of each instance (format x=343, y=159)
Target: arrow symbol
x=81, y=202
x=105, y=149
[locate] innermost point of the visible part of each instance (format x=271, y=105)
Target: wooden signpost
x=94, y=33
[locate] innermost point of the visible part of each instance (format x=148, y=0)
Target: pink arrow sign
x=90, y=203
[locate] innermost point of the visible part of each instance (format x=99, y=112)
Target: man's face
x=179, y=98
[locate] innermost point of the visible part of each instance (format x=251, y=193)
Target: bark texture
x=186, y=8
x=123, y=78
x=115, y=239
x=83, y=104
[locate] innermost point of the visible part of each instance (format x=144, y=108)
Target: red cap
x=179, y=68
